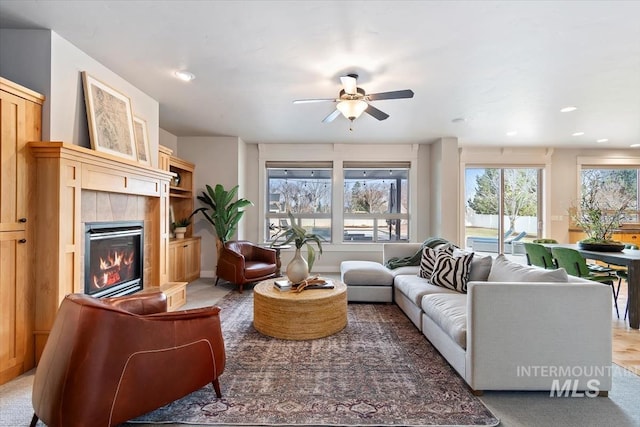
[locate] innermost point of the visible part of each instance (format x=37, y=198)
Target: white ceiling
x=501, y=66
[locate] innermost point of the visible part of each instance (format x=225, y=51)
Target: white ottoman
x=367, y=281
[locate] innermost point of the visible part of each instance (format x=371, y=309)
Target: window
x=304, y=189
x=618, y=185
x=376, y=202
x=502, y=201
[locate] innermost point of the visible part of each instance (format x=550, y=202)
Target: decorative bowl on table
x=601, y=246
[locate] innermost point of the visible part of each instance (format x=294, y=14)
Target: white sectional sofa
x=516, y=328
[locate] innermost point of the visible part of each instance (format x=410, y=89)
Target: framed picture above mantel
x=142, y=140
x=110, y=118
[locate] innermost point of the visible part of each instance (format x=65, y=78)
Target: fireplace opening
x=114, y=254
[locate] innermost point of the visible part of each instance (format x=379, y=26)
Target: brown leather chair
x=243, y=262
x=109, y=360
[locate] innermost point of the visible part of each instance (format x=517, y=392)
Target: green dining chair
x=576, y=265
x=545, y=241
x=539, y=256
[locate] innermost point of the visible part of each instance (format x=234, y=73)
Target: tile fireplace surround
x=75, y=185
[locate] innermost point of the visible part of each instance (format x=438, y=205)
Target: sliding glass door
x=502, y=208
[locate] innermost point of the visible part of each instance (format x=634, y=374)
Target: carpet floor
x=379, y=370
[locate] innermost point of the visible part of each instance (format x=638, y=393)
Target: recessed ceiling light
x=634, y=145
x=603, y=140
x=568, y=109
x=185, y=75
x=577, y=134
x=512, y=133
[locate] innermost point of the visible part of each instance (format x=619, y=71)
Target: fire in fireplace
x=113, y=258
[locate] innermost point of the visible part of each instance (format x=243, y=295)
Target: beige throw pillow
x=480, y=268
x=504, y=270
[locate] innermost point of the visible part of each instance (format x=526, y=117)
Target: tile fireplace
x=76, y=187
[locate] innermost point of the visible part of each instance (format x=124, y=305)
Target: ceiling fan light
x=352, y=109
x=185, y=75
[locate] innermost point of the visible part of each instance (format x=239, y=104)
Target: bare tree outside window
x=305, y=192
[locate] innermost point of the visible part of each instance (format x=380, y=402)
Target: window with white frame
x=376, y=203
x=614, y=180
x=302, y=188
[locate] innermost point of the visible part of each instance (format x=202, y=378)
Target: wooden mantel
x=105, y=172
x=69, y=180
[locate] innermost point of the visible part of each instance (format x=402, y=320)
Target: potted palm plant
x=222, y=211
x=299, y=268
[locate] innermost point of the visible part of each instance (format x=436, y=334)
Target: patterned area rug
x=380, y=370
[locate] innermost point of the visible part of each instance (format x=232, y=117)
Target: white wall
x=243, y=190
x=168, y=140
x=25, y=58
x=60, y=62
x=423, y=200
x=563, y=191
x=217, y=160
x=251, y=192
x=444, y=189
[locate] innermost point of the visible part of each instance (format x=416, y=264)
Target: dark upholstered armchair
x=244, y=262
x=109, y=360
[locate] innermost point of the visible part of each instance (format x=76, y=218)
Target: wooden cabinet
x=192, y=260
x=627, y=237
x=176, y=293
x=184, y=256
x=576, y=235
x=181, y=190
x=20, y=122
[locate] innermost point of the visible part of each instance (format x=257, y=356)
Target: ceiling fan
x=353, y=101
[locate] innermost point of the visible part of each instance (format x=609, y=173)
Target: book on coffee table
x=328, y=284
x=324, y=284
x=282, y=285
x=286, y=285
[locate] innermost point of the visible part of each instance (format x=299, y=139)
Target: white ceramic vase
x=180, y=232
x=297, y=269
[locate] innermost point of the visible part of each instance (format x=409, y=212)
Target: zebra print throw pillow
x=452, y=272
x=429, y=258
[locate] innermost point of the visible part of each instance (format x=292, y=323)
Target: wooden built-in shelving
x=184, y=254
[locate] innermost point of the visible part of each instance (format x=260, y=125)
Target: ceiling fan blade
x=308, y=101
x=349, y=84
x=373, y=111
x=331, y=116
x=396, y=94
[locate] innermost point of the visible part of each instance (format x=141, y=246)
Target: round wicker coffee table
x=310, y=314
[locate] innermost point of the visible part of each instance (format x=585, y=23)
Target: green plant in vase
x=601, y=209
x=180, y=227
x=298, y=269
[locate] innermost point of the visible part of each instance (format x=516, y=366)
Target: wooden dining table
x=629, y=258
